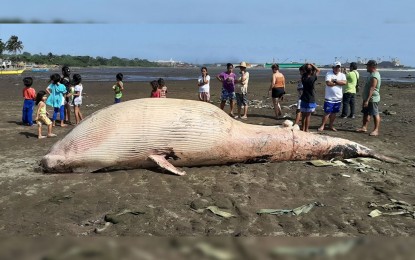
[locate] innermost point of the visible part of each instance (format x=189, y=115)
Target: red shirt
x=29, y=93
x=156, y=94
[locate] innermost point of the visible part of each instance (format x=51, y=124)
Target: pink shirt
x=156, y=94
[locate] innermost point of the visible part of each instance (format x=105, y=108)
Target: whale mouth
x=53, y=163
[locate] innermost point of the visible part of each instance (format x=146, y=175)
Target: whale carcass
x=170, y=133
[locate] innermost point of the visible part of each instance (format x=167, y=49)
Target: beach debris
x=213, y=252
x=325, y=163
x=259, y=104
x=295, y=212
x=114, y=218
x=100, y=230
x=293, y=106
x=396, y=207
x=357, y=163
x=215, y=210
x=92, y=105
x=338, y=248
x=345, y=175
x=389, y=113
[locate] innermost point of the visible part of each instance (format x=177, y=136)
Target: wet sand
x=35, y=204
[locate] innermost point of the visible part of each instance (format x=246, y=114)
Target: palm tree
x=2, y=47
x=14, y=45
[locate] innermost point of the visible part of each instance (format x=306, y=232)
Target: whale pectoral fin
x=161, y=161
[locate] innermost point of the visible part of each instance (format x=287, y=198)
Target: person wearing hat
x=350, y=91
x=335, y=80
x=371, y=99
x=228, y=79
x=242, y=90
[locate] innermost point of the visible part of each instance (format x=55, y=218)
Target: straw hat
x=243, y=64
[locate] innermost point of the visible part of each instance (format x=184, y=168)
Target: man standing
x=228, y=87
x=335, y=80
x=350, y=91
x=371, y=99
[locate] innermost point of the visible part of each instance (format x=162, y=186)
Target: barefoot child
x=155, y=92
x=56, y=98
x=118, y=88
x=29, y=95
x=42, y=115
x=77, y=98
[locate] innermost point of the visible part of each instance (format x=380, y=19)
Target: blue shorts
x=332, y=107
x=117, y=100
x=307, y=107
x=227, y=95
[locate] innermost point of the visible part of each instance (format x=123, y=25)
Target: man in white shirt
x=335, y=80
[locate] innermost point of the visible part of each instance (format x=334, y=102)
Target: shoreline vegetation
x=51, y=60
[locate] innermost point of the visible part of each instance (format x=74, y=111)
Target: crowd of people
x=63, y=93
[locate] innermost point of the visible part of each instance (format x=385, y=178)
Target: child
x=56, y=99
x=42, y=115
x=162, y=87
x=29, y=95
x=66, y=80
x=155, y=92
x=77, y=98
x=203, y=84
x=118, y=88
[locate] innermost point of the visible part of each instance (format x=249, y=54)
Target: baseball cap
x=372, y=63
x=337, y=63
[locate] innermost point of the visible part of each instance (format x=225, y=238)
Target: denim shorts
x=227, y=95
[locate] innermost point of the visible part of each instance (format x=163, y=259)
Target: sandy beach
x=156, y=204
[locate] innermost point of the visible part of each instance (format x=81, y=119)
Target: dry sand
x=34, y=204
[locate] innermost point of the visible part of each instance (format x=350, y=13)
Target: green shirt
x=376, y=95
x=117, y=90
x=352, y=78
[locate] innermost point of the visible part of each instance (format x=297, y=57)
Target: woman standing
x=277, y=89
x=308, y=101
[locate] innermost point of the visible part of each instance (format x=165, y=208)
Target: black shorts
x=277, y=92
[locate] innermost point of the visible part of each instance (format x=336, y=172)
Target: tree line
x=14, y=46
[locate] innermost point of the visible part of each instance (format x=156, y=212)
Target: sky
x=217, y=31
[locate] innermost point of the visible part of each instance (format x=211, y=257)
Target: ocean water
x=170, y=74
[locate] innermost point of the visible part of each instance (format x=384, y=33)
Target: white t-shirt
x=334, y=93
x=243, y=88
x=78, y=99
x=206, y=87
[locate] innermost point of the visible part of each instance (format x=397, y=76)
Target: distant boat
x=11, y=72
x=40, y=69
x=293, y=65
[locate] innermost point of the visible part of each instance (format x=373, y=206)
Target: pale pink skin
x=186, y=133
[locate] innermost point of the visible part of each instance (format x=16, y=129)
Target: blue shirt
x=55, y=98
